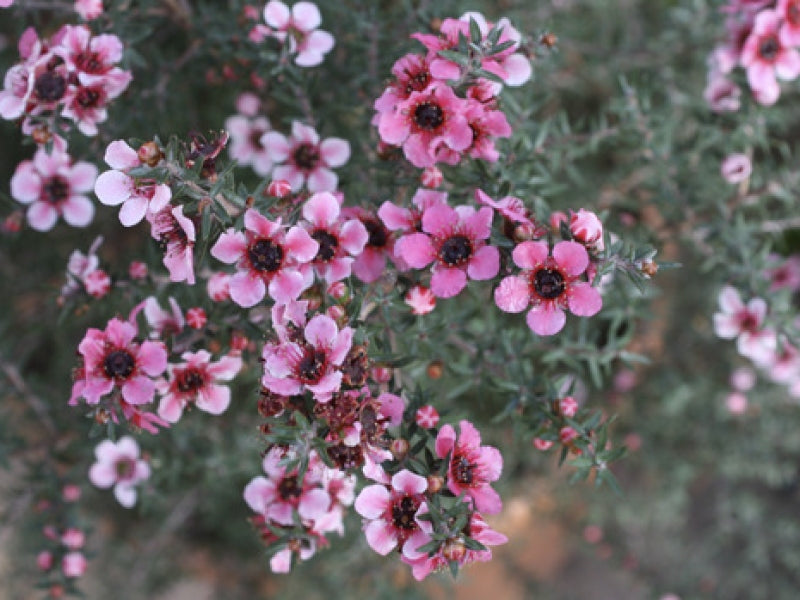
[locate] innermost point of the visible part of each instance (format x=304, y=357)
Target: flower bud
x=73, y=564
x=71, y=492
x=335, y=312
x=196, y=317
x=541, y=444
x=435, y=484
x=435, y=369
x=337, y=290
x=399, y=448
x=431, y=177
x=73, y=538
x=150, y=154
x=97, y=283
x=44, y=560
x=454, y=550
x=587, y=229
x=427, y=417
x=568, y=406
x=137, y=270
x=556, y=218
x=567, y=434
x=279, y=188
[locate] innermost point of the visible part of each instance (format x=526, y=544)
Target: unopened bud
x=150, y=154
x=399, y=448
x=435, y=484
x=279, y=188
x=435, y=369
x=454, y=550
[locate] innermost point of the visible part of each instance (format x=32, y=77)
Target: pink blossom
x=148, y=421
x=279, y=188
x=97, y=283
x=721, y=94
x=412, y=74
x=370, y=264
x=176, y=233
x=786, y=274
x=789, y=10
x=784, y=365
x=80, y=266
x=73, y=538
x=195, y=382
x=89, y=9
x=587, y=229
x=567, y=435
x=311, y=363
x=136, y=195
x=736, y=403
x=196, y=317
x=246, y=132
x=736, y=168
x=431, y=177
x=743, y=379
x=409, y=220
x=420, y=299
x=118, y=464
x=391, y=514
x=137, y=270
x=300, y=27
x=44, y=560
x=568, y=406
x=427, y=125
x=766, y=57
x=746, y=323
x=113, y=359
x=73, y=564
x=427, y=417
x=510, y=207
x=307, y=159
x=70, y=493
x=268, y=259
x=542, y=444
x=163, y=322
x=53, y=186
x=472, y=467
x=550, y=282
x=487, y=125
x=218, y=287
x=340, y=240
x=455, y=240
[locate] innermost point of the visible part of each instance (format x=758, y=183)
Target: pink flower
x=246, y=132
x=487, y=125
x=300, y=27
x=736, y=168
x=789, y=10
x=73, y=564
x=412, y=74
x=73, y=538
x=137, y=270
x=409, y=220
x=278, y=495
x=431, y=177
x=340, y=240
x=420, y=299
x=6, y=3
x=112, y=359
x=44, y=560
x=89, y=9
x=195, y=382
x=268, y=259
x=745, y=322
x=736, y=403
x=370, y=264
x=307, y=159
x=766, y=57
x=80, y=267
x=567, y=435
x=163, y=322
x=472, y=467
x=391, y=514
x=53, y=186
x=550, y=283
x=118, y=464
x=427, y=417
x=786, y=274
x=176, y=233
x=279, y=188
x=587, y=229
x=137, y=195
x=455, y=240
x=311, y=363
x=97, y=283
x=196, y=317
x=218, y=287
x=722, y=94
x=510, y=207
x=568, y=406
x=426, y=124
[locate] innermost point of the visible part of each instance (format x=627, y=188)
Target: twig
x=37, y=404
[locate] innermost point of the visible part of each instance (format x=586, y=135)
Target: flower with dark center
x=549, y=283
x=455, y=250
x=125, y=468
x=428, y=116
x=56, y=190
x=311, y=366
x=88, y=97
x=404, y=511
x=462, y=470
x=265, y=255
x=255, y=138
x=769, y=48
x=378, y=234
x=119, y=364
x=50, y=86
x=289, y=488
x=327, y=245
x=190, y=380
x=306, y=156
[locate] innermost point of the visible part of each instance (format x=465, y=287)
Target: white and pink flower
x=54, y=187
x=745, y=322
x=246, y=131
x=176, y=233
x=119, y=465
x=300, y=27
x=767, y=58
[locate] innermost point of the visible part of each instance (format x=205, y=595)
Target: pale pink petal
x=370, y=265
x=353, y=236
x=518, y=68
x=513, y=294
x=321, y=209
x=125, y=495
x=572, y=257
x=546, y=319
x=82, y=177
x=341, y=346
x=726, y=326
x=152, y=358
x=445, y=440
x=281, y=562
x=459, y=134
x=133, y=210
x=305, y=16
x=42, y=216
x=78, y=211
x=259, y=224
x=161, y=197
x=335, y=151
x=487, y=500
x=277, y=146
x=485, y=263
x=230, y=246
x=26, y=184
x=120, y=333
x=277, y=14
x=300, y=244
x=729, y=300
x=246, y=289
x=325, y=387
x=113, y=188
x=170, y=408
x=395, y=217
x=119, y=155
x=286, y=285
x=257, y=493
x=787, y=67
x=393, y=128
x=380, y=537
x=304, y=133
x=584, y=300
x=758, y=308
x=444, y=69
x=290, y=174
x=416, y=249
x=321, y=331
x=103, y=474
x=492, y=463
x=415, y=541
x=313, y=504
x=528, y=255
x=317, y=43
x=409, y=483
x=418, y=150
x=138, y=390
x=322, y=180
x=226, y=368
x=446, y=283
x=214, y=399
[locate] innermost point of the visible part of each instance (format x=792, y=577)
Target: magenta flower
x=766, y=57
x=268, y=259
x=550, y=283
x=391, y=514
x=455, y=240
x=746, y=323
x=176, y=233
x=472, y=467
x=280, y=493
x=311, y=363
x=307, y=159
x=487, y=125
x=113, y=359
x=54, y=187
x=431, y=126
x=300, y=27
x=136, y=195
x=340, y=240
x=409, y=220
x=195, y=382
x=118, y=464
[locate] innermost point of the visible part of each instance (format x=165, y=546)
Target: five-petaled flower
x=118, y=464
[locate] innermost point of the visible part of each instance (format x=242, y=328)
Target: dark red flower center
x=55, y=190
x=748, y=321
x=89, y=62
x=403, y=512
x=769, y=47
x=311, y=366
x=549, y=283
x=463, y=470
x=265, y=255
x=289, y=488
x=793, y=13
x=306, y=156
x=50, y=86
x=327, y=245
x=88, y=97
x=428, y=116
x=416, y=82
x=190, y=380
x=125, y=468
x=378, y=235
x=255, y=138
x=455, y=250
x=118, y=364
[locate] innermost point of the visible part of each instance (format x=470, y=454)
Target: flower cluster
x=443, y=105
x=763, y=38
x=74, y=74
